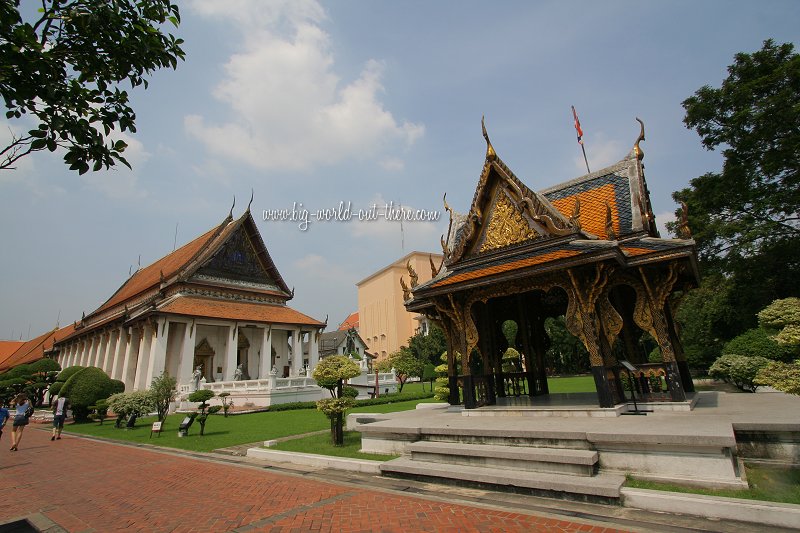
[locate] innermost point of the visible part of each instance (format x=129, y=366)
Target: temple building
x=213, y=314
x=587, y=249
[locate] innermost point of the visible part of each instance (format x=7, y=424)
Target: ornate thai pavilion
x=587, y=249
x=217, y=304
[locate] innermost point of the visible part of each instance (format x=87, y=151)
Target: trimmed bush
x=758, y=342
x=68, y=372
x=84, y=389
x=138, y=403
x=738, y=370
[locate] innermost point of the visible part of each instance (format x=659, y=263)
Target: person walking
x=60, y=407
x=4, y=415
x=23, y=411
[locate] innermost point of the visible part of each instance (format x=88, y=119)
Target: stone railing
x=252, y=385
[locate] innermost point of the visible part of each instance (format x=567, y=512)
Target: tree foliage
x=781, y=376
x=566, y=353
x=759, y=342
x=204, y=410
x=429, y=347
x=744, y=219
x=405, y=363
x=782, y=317
x=67, y=66
x=330, y=373
x=125, y=404
x=163, y=391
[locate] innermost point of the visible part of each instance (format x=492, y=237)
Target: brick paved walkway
x=84, y=485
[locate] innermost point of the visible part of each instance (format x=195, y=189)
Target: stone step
x=552, y=460
x=602, y=487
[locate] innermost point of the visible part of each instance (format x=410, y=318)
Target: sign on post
x=155, y=429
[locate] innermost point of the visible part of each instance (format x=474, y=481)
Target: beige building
x=385, y=325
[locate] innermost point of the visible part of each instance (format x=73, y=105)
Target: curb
x=751, y=511
x=321, y=461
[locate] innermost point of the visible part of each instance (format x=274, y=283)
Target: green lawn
x=571, y=384
x=775, y=484
x=223, y=432
x=321, y=444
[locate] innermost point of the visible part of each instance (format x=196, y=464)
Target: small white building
x=213, y=314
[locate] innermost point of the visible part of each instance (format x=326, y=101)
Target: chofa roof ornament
x=491, y=155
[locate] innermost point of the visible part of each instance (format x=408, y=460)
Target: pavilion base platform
x=580, y=404
x=577, y=455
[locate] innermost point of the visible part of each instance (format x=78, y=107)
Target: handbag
x=29, y=411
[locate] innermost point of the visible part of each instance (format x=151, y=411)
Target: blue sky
x=364, y=102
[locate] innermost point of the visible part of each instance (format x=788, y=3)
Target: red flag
x=577, y=126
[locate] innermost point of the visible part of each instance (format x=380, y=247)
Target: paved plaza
x=83, y=485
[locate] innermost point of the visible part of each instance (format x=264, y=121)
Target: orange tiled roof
x=593, y=209
x=245, y=311
x=350, y=322
x=34, y=349
x=7, y=349
x=150, y=276
x=634, y=250
x=506, y=267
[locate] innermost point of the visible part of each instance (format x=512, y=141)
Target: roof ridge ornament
x=491, y=155
x=683, y=224
x=636, y=149
x=252, y=192
x=230, y=213
x=611, y=235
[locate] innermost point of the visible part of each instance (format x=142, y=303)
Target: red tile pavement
x=85, y=485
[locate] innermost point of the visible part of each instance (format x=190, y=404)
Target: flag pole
x=579, y=132
x=583, y=148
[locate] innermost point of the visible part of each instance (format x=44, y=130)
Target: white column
x=131, y=355
x=111, y=343
x=99, y=350
x=186, y=366
x=143, y=361
x=230, y=353
x=265, y=361
x=118, y=354
x=87, y=360
x=158, y=355
x=73, y=353
x=313, y=350
x=297, y=353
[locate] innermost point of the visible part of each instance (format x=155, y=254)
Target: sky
x=366, y=103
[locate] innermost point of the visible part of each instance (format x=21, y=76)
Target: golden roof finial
x=611, y=235
x=639, y=152
x=491, y=155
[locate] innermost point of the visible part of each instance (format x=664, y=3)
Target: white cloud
x=289, y=109
x=411, y=235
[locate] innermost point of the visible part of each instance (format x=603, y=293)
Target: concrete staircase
x=542, y=470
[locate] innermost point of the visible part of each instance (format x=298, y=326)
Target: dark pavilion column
x=484, y=341
x=680, y=355
x=532, y=328
x=496, y=356
x=582, y=321
x=657, y=286
x=452, y=374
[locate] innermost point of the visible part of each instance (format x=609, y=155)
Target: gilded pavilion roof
x=512, y=231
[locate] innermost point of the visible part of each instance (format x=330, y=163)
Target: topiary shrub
x=759, y=342
x=54, y=388
x=781, y=376
x=738, y=370
x=68, y=372
x=202, y=396
x=330, y=374
x=119, y=386
x=84, y=389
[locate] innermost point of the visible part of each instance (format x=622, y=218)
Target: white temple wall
x=280, y=341
x=174, y=348
x=217, y=337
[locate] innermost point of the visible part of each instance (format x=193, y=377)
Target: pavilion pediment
x=506, y=213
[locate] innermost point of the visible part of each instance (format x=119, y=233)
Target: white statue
x=238, y=373
x=274, y=371
x=196, y=375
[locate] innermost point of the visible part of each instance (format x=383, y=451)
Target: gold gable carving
x=507, y=226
